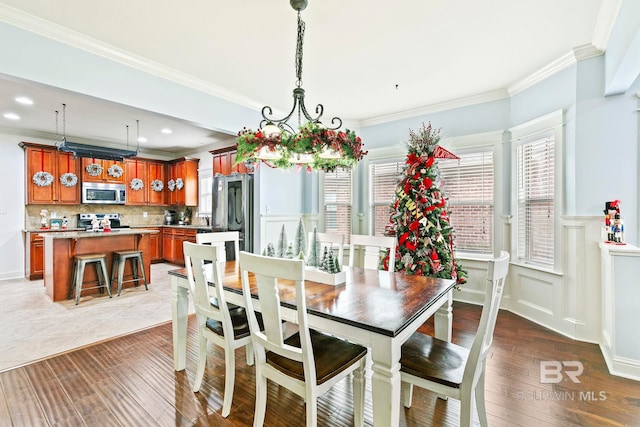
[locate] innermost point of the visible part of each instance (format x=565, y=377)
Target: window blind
x=337, y=201
x=535, y=191
x=468, y=185
x=383, y=180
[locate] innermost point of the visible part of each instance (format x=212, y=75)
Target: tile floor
x=33, y=327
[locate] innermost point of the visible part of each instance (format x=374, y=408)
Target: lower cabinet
x=172, y=239
x=155, y=246
x=35, y=258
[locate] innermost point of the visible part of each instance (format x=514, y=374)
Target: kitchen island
x=60, y=248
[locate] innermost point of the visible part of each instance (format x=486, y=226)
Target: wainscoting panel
x=271, y=226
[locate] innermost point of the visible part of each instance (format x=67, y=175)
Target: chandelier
x=277, y=144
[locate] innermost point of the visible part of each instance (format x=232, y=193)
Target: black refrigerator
x=232, y=209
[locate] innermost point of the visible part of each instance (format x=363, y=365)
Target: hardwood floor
x=130, y=381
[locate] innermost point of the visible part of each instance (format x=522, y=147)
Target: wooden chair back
x=372, y=246
x=219, y=240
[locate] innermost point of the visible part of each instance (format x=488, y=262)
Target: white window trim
x=550, y=124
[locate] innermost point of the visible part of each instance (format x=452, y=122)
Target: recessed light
x=11, y=116
x=142, y=139
x=166, y=131
x=24, y=100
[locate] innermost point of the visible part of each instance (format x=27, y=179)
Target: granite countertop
x=49, y=230
x=90, y=234
x=190, y=226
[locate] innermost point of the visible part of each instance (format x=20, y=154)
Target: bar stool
x=120, y=259
x=80, y=262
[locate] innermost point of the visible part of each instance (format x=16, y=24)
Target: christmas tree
x=314, y=250
x=300, y=242
x=282, y=243
x=418, y=214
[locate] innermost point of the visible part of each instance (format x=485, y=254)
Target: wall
x=11, y=208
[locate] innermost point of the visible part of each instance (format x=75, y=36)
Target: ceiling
x=364, y=60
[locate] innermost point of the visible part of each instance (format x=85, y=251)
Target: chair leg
x=114, y=271
x=121, y=264
x=134, y=270
x=249, y=353
x=466, y=407
x=407, y=394
x=202, y=361
x=73, y=279
x=105, y=276
x=144, y=275
x=261, y=398
x=311, y=403
x=358, y=395
x=101, y=280
x=79, y=280
x=479, y=393
x=229, y=380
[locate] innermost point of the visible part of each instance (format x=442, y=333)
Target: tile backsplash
x=129, y=215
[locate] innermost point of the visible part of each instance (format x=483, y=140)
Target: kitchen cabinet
x=136, y=168
x=45, y=158
x=156, y=170
x=172, y=239
x=155, y=245
x=35, y=257
x=223, y=160
x=182, y=182
x=105, y=171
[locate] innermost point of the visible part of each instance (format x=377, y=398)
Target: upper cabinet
x=145, y=182
x=138, y=183
x=98, y=170
x=223, y=160
x=182, y=182
x=52, y=176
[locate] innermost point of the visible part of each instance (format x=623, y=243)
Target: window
x=383, y=180
x=468, y=185
x=205, y=201
x=337, y=201
x=535, y=172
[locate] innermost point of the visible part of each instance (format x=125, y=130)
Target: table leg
x=443, y=319
x=179, y=319
x=385, y=382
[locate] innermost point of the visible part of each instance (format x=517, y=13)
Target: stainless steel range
x=84, y=220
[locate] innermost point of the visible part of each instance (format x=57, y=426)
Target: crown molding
x=434, y=108
x=607, y=15
x=56, y=32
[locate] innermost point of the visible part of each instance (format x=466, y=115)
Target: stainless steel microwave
x=103, y=193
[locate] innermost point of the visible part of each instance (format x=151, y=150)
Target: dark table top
x=374, y=300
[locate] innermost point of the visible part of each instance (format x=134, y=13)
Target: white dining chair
x=449, y=369
x=219, y=240
x=372, y=246
x=331, y=241
x=308, y=362
x=219, y=323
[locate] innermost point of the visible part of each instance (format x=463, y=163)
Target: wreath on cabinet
x=157, y=185
x=42, y=179
x=136, y=184
x=179, y=183
x=171, y=184
x=115, y=171
x=69, y=179
x=94, y=169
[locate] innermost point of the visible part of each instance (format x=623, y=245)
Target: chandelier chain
x=301, y=27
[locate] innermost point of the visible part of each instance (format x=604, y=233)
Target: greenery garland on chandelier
x=312, y=138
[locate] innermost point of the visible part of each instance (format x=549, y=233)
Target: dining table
x=374, y=308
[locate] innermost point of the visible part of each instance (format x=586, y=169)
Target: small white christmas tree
x=314, y=250
x=289, y=253
x=282, y=243
x=300, y=242
x=270, y=251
